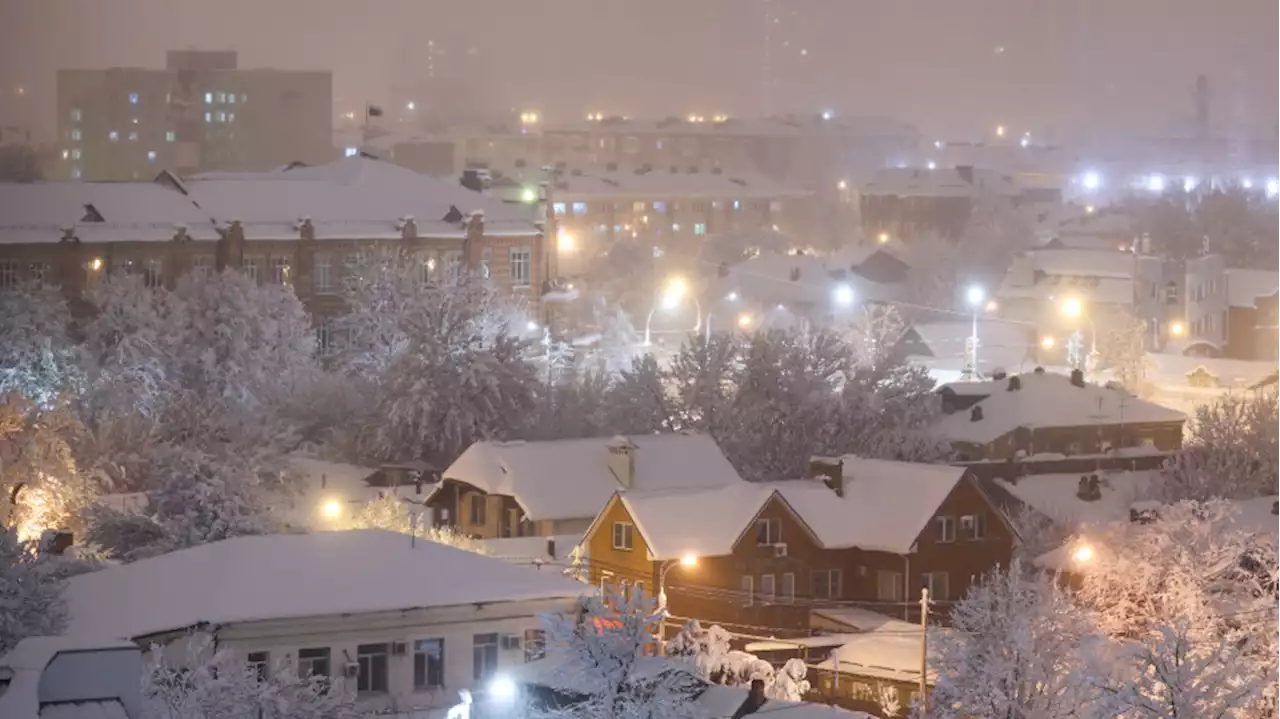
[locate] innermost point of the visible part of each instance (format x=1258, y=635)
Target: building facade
x=1231, y=312
x=201, y=112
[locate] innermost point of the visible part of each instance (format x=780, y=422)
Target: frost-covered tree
x=638, y=401
x=1122, y=347
x=873, y=334
x=43, y=487
x=1232, y=453
x=603, y=656
x=1013, y=651
x=31, y=602
x=441, y=373
x=702, y=378
x=211, y=682
x=575, y=406
x=888, y=699
x=393, y=514
x=37, y=356
x=712, y=659
x=1169, y=675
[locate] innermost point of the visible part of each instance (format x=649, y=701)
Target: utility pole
x=924, y=651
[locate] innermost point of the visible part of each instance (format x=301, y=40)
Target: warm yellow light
x=1072, y=307
x=1177, y=329
x=529, y=118
x=676, y=287
x=883, y=237
x=1047, y=342
x=842, y=185
x=565, y=241
x=999, y=130
x=95, y=264
x=689, y=560
x=1090, y=209
x=745, y=320
x=331, y=509
x=1083, y=554
x=993, y=306
x=528, y=195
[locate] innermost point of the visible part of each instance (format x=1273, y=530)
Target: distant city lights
x=1273, y=186
x=842, y=185
x=931, y=165
x=1189, y=183
x=1155, y=183
x=828, y=114
x=1025, y=141
x=938, y=144
x=411, y=105
x=1091, y=180
x=999, y=130
x=529, y=118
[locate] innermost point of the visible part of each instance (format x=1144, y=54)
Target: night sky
x=955, y=68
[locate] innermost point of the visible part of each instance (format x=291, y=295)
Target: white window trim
x=626, y=535
x=749, y=588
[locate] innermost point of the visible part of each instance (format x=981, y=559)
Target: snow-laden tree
x=31, y=602
x=1232, y=453
x=709, y=653
x=603, y=655
x=393, y=514
x=43, y=487
x=197, y=498
x=1122, y=347
x=575, y=406
x=37, y=356
x=638, y=401
x=873, y=334
x=441, y=376
x=211, y=682
x=1013, y=651
x=1168, y=674
x=702, y=378
x=888, y=699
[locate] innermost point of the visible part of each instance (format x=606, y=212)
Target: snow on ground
x=885, y=654
x=295, y=575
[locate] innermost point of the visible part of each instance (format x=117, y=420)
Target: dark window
x=428, y=664
x=535, y=643
x=973, y=526
x=478, y=509
x=372, y=659
x=484, y=656
x=768, y=531
x=946, y=529
x=623, y=536
x=260, y=662
x=827, y=583
x=313, y=661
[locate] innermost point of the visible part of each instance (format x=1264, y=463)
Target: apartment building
x=299, y=226
x=200, y=112
x=907, y=202
x=1231, y=312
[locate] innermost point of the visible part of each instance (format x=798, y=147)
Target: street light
x=1073, y=307
x=1047, y=342
x=688, y=560
x=975, y=296
x=565, y=241
x=744, y=320
x=332, y=509
x=843, y=295
x=883, y=237
x=1083, y=554
x=674, y=291
x=1177, y=329
x=528, y=195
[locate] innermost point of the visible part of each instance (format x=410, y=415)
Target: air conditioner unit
x=510, y=641
x=399, y=649
x=780, y=549
x=351, y=670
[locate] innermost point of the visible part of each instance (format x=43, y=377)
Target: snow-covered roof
x=940, y=182
x=862, y=620
x=1094, y=290
x=885, y=654
x=22, y=668
x=295, y=575
x=39, y=212
x=838, y=126
x=885, y=505
x=662, y=182
x=335, y=479
x=571, y=478
x=1084, y=263
x=356, y=197
x=532, y=550
x=701, y=522
x=1173, y=369
x=1049, y=400
x=1000, y=343
x=1244, y=287
x=768, y=278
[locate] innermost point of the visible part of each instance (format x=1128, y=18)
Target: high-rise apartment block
x=200, y=113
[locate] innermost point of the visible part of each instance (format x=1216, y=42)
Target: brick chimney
x=230, y=250
x=830, y=470
x=306, y=230
x=622, y=461
x=474, y=243
x=408, y=228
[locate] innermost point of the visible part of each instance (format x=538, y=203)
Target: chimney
x=975, y=414
x=965, y=172
x=474, y=243
x=1039, y=370
x=622, y=461
x=471, y=180
x=230, y=250
x=1077, y=378
x=551, y=548
x=998, y=374
x=1015, y=384
x=830, y=470
x=408, y=228
x=306, y=230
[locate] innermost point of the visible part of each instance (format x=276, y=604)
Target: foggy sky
x=1067, y=65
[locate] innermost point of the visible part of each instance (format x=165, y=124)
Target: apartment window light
x=208, y=98
x=113, y=136
x=133, y=137
x=222, y=98
x=133, y=98
x=75, y=173
x=151, y=155
x=208, y=117
x=76, y=115
x=75, y=153
x=170, y=136
x=222, y=116
x=231, y=117
x=351, y=151
x=231, y=98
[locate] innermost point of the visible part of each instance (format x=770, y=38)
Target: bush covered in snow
x=709, y=652
x=31, y=584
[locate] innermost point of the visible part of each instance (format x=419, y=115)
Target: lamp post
x=687, y=560
x=1074, y=307
x=974, y=296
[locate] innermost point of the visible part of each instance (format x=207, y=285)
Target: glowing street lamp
x=1073, y=307
x=1047, y=342
x=1083, y=554
x=673, y=293
x=975, y=296
x=331, y=509
x=843, y=295
x=528, y=195
x=687, y=561
x=565, y=241
x=744, y=320
x=1177, y=329
x=882, y=238
x=1091, y=180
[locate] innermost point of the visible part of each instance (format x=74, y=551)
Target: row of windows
x=579, y=209
x=224, y=98
x=373, y=661
x=973, y=527
x=219, y=116
x=829, y=584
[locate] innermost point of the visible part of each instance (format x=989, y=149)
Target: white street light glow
x=1155, y=182
x=1091, y=180
x=843, y=295
x=975, y=295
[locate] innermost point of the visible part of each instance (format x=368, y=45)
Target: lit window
x=231, y=99
x=151, y=155
x=659, y=207
x=737, y=204
x=170, y=136
x=558, y=209
x=153, y=271
x=208, y=98
x=579, y=208
x=699, y=228
x=428, y=664
x=113, y=136
x=208, y=117
x=66, y=154
x=133, y=98
x=352, y=151
x=133, y=137
x=75, y=153
x=76, y=115
x=675, y=226
x=521, y=265
x=75, y=173
x=280, y=270
x=75, y=134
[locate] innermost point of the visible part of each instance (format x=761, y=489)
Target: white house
x=1186, y=383
x=405, y=623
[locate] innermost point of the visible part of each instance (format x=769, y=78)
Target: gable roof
x=39, y=212
x=571, y=479
x=885, y=506
x=1244, y=287
x=1048, y=400
x=292, y=576
x=701, y=522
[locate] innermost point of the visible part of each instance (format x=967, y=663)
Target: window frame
x=898, y=592
x=322, y=656
x=749, y=589
x=624, y=536
x=260, y=662
x=478, y=510
x=929, y=581
x=772, y=537
x=977, y=529
x=768, y=589
x=484, y=655
x=520, y=265
x=428, y=663
x=373, y=662
x=535, y=644
x=787, y=593
x=942, y=523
